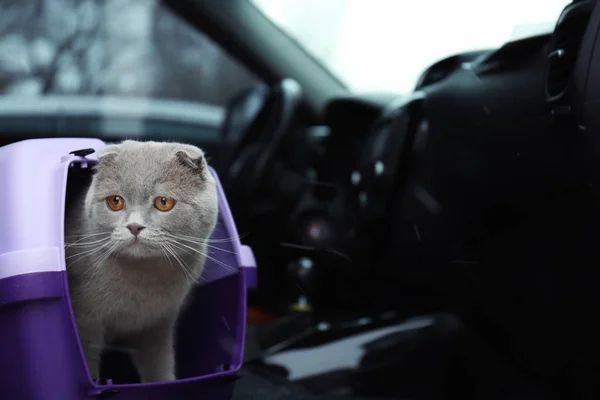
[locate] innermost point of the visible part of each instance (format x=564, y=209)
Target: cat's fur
x=135, y=295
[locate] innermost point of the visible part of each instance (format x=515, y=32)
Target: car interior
x=445, y=239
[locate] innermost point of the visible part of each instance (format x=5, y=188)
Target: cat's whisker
x=90, y=265
x=186, y=252
x=88, y=234
x=84, y=244
x=185, y=246
x=182, y=264
x=221, y=263
x=197, y=276
x=87, y=253
x=227, y=240
x=174, y=255
x=205, y=244
x=208, y=240
x=164, y=252
x=169, y=251
x=92, y=255
x=84, y=237
x=227, y=267
x=221, y=249
x=106, y=255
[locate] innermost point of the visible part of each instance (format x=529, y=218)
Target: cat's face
x=152, y=199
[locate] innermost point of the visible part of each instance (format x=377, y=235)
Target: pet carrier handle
x=248, y=266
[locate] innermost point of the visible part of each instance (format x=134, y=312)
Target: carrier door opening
x=208, y=336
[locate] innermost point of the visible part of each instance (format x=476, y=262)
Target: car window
x=124, y=48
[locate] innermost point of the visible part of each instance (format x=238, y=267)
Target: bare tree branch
x=70, y=46
x=54, y=68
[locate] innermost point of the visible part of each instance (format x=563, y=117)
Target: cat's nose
x=135, y=229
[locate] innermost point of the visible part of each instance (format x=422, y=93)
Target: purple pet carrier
x=40, y=352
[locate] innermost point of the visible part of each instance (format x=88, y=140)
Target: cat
x=135, y=242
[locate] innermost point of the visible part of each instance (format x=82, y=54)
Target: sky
x=384, y=45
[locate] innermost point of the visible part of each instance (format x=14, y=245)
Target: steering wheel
x=256, y=120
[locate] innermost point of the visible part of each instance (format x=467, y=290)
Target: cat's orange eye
x=115, y=203
x=164, y=203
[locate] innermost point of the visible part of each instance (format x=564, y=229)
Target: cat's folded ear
x=192, y=157
x=108, y=153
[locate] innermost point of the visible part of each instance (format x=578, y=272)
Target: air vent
x=564, y=47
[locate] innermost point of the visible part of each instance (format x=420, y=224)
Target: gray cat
x=135, y=243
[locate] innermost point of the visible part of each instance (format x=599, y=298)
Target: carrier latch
x=83, y=152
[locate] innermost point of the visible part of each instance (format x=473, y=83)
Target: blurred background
x=138, y=48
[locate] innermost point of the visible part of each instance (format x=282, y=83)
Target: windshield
x=385, y=45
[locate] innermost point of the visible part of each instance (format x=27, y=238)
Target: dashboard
x=392, y=178
x=365, y=148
